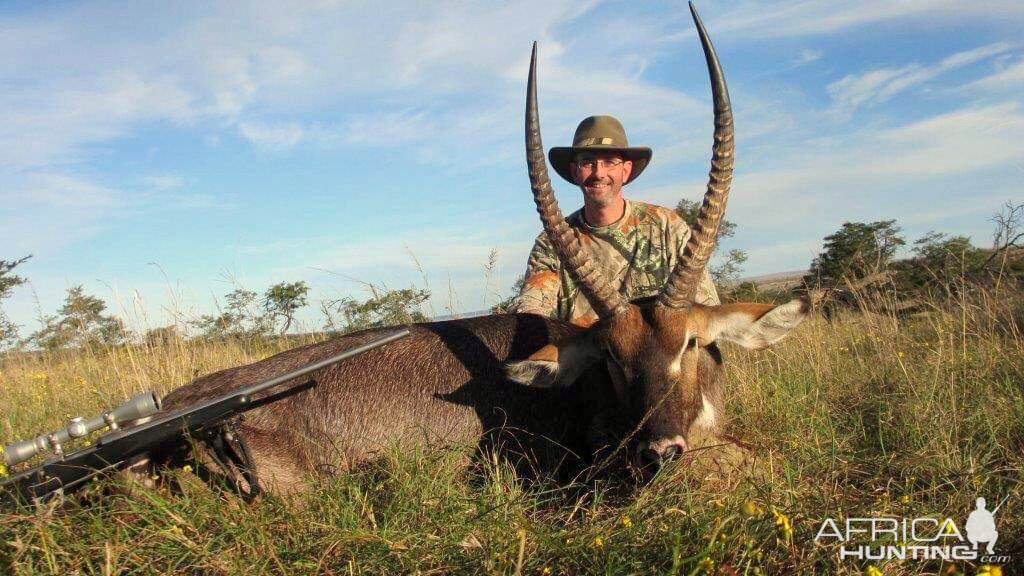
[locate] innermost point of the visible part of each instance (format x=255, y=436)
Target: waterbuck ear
x=556, y=365
x=755, y=325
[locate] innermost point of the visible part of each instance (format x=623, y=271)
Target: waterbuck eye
x=692, y=343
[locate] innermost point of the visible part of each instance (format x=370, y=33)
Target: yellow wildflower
x=749, y=509
x=3, y=470
x=990, y=570
x=187, y=468
x=598, y=542
x=783, y=524
x=872, y=570
x=546, y=570
x=707, y=565
x=627, y=522
x=905, y=499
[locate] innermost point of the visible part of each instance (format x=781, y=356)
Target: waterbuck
x=538, y=385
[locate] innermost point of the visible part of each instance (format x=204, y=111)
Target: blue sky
x=162, y=154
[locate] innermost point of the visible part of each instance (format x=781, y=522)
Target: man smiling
x=634, y=243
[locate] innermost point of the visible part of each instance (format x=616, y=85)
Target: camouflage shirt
x=638, y=252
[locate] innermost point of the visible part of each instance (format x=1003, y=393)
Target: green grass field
x=864, y=416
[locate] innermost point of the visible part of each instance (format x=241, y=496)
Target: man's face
x=601, y=176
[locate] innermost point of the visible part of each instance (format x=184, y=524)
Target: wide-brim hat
x=599, y=134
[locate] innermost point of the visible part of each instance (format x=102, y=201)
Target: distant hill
x=777, y=280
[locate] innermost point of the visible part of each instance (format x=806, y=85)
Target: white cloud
x=52, y=123
x=255, y=69
x=957, y=142
x=946, y=172
x=228, y=66
x=879, y=85
x=1009, y=78
x=438, y=252
x=960, y=141
x=45, y=211
x=787, y=18
x=162, y=203
x=806, y=56
x=58, y=191
x=279, y=65
x=875, y=85
x=274, y=247
x=163, y=181
x=272, y=137
x=923, y=173
x=392, y=128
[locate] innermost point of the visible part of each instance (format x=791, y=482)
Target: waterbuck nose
x=671, y=452
x=654, y=455
x=650, y=457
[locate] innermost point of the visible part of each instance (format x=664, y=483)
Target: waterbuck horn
x=604, y=299
x=681, y=287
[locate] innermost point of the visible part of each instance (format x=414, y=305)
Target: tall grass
x=865, y=415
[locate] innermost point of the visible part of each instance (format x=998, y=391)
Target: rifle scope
x=139, y=406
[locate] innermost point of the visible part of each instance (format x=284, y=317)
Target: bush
x=80, y=323
x=390, y=308
x=857, y=250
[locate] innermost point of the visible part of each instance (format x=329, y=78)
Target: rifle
x=1003, y=501
x=136, y=428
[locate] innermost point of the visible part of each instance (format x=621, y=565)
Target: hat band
x=594, y=141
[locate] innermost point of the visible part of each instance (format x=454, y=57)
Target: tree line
x=82, y=321
x=856, y=253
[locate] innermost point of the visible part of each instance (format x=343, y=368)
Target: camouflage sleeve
x=539, y=294
x=706, y=292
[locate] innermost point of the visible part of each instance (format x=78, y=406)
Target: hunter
x=635, y=243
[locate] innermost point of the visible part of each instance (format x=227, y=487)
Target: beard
x=600, y=192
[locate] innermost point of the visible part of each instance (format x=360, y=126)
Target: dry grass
x=866, y=415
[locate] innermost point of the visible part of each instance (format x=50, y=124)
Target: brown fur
x=441, y=386
x=445, y=385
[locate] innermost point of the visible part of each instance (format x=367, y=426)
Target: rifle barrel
x=1003, y=501
x=244, y=395
x=111, y=451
